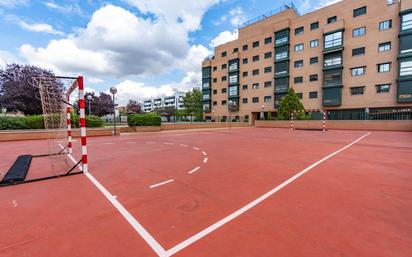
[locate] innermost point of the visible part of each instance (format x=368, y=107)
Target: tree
x=192, y=102
x=167, y=112
x=289, y=104
x=133, y=107
x=101, y=105
x=17, y=94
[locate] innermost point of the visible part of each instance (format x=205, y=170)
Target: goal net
x=308, y=119
x=62, y=102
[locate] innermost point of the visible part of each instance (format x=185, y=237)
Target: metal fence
x=371, y=114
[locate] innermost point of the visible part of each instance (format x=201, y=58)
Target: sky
x=145, y=48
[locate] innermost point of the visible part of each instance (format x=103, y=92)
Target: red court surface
x=239, y=193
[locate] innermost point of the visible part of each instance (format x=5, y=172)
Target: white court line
x=194, y=170
x=252, y=204
x=204, y=153
x=197, y=149
x=132, y=221
x=108, y=143
x=162, y=183
x=130, y=142
x=204, y=160
x=183, y=145
x=166, y=143
x=150, y=142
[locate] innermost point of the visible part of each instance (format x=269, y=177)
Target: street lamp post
x=262, y=114
x=232, y=108
x=113, y=90
x=90, y=98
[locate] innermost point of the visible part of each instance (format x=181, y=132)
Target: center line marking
x=194, y=170
x=108, y=143
x=166, y=143
x=204, y=160
x=131, y=143
x=204, y=153
x=255, y=202
x=197, y=149
x=183, y=145
x=162, y=183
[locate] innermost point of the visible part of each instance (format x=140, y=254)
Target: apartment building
x=349, y=56
x=175, y=100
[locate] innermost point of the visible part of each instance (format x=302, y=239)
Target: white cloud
x=117, y=43
x=224, y=37
x=6, y=58
x=131, y=90
x=323, y=3
x=13, y=3
x=237, y=17
x=194, y=58
x=65, y=9
x=34, y=27
x=94, y=80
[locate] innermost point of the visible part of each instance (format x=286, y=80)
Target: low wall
x=386, y=125
x=180, y=126
x=15, y=135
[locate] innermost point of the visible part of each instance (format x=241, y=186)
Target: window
x=406, y=21
x=299, y=95
x=332, y=19
x=332, y=78
x=314, y=60
x=233, y=65
x=255, y=86
x=255, y=72
x=267, y=98
x=268, y=69
x=245, y=61
x=236, y=50
x=224, y=78
x=255, y=99
x=224, y=54
x=244, y=100
x=333, y=59
x=333, y=40
x=268, y=40
x=384, y=25
x=215, y=91
x=359, y=32
x=389, y=2
x=405, y=44
x=359, y=11
x=224, y=90
x=206, y=96
x=206, y=84
x=244, y=87
x=298, y=80
x=245, y=74
x=255, y=44
x=384, y=88
x=281, y=53
x=281, y=68
x=314, y=25
x=255, y=58
x=358, y=51
x=314, y=43
x=313, y=77
x=215, y=68
x=358, y=71
x=299, y=47
x=299, y=64
x=233, y=91
x=313, y=94
x=384, y=47
x=357, y=90
x=268, y=84
x=214, y=103
x=268, y=55
x=245, y=47
x=281, y=37
x=384, y=67
x=299, y=31
x=214, y=80
x=224, y=102
x=233, y=78
x=224, y=66
x=405, y=68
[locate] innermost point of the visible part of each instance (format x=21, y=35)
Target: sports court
x=241, y=192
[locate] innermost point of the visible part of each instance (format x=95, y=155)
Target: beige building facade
x=350, y=57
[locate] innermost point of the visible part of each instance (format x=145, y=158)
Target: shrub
x=34, y=122
x=143, y=120
x=8, y=122
x=91, y=121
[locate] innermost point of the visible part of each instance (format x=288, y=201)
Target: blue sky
x=145, y=48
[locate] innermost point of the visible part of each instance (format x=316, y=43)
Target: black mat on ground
x=18, y=171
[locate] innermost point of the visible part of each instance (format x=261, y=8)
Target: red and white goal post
x=63, y=107
x=310, y=111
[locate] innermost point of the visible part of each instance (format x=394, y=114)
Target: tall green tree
x=192, y=102
x=289, y=104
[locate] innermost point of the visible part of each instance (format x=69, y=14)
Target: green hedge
x=37, y=122
x=143, y=120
